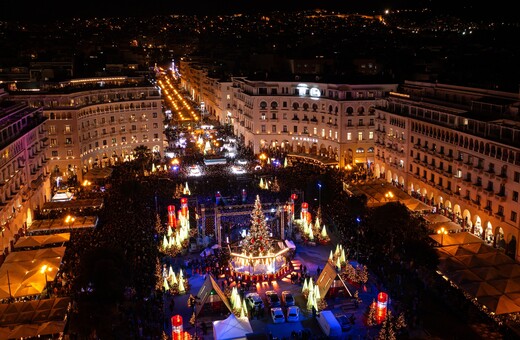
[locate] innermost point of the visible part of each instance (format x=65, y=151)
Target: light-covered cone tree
x=257, y=241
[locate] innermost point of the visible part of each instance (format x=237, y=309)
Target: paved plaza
x=310, y=256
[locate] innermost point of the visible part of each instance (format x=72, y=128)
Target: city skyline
x=60, y=9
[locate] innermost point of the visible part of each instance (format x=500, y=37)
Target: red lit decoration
x=382, y=303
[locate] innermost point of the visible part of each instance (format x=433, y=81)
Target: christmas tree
x=257, y=241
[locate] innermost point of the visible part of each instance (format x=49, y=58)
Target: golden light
x=442, y=231
x=45, y=268
x=86, y=183
x=175, y=161
x=262, y=156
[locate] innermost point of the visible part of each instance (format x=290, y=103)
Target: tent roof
x=205, y=291
x=41, y=240
x=447, y=225
x=231, y=328
x=34, y=311
x=327, y=277
x=500, y=304
x=456, y=238
x=58, y=225
x=413, y=204
x=435, y=218
x=62, y=196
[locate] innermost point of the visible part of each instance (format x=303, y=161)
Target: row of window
x=296, y=106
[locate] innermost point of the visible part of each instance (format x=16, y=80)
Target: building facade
x=335, y=121
x=97, y=126
x=458, y=149
x=24, y=167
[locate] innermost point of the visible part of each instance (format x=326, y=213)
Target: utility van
x=329, y=324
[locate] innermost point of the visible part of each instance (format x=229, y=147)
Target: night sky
x=61, y=9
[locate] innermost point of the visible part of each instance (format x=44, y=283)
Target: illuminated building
x=24, y=166
x=456, y=148
x=98, y=122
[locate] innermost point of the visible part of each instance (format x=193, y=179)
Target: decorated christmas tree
x=387, y=331
x=257, y=241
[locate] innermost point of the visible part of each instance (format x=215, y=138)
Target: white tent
x=231, y=328
x=62, y=196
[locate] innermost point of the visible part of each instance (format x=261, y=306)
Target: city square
x=234, y=173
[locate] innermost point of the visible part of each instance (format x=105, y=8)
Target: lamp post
x=389, y=195
x=358, y=220
x=69, y=220
x=319, y=201
x=44, y=270
x=442, y=232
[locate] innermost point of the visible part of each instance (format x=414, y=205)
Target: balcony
x=489, y=173
x=500, y=216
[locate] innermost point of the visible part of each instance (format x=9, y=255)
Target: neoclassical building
x=98, y=122
x=336, y=121
x=24, y=166
x=458, y=149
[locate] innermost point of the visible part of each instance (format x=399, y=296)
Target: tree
x=371, y=315
x=143, y=156
x=257, y=241
x=387, y=331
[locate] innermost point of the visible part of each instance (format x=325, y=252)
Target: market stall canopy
x=481, y=271
x=97, y=174
x=41, y=240
x=74, y=205
x=59, y=225
x=209, y=286
x=232, y=328
x=448, y=226
x=414, y=204
x=24, y=273
x=435, y=218
x=456, y=238
x=40, y=311
x=499, y=304
x=62, y=196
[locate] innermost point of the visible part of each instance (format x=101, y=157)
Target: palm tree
x=143, y=156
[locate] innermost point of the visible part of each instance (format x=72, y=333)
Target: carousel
x=258, y=256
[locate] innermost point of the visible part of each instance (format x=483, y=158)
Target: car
x=287, y=298
x=293, y=314
x=272, y=298
x=344, y=322
x=277, y=315
x=254, y=300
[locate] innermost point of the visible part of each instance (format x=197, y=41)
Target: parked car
x=344, y=322
x=272, y=298
x=287, y=298
x=254, y=300
x=277, y=315
x=293, y=314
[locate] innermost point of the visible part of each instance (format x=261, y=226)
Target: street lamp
x=43, y=270
x=358, y=220
x=442, y=232
x=389, y=195
x=319, y=201
x=69, y=220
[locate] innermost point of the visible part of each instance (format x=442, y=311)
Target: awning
x=448, y=226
